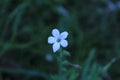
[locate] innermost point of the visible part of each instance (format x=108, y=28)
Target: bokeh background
x=25, y=25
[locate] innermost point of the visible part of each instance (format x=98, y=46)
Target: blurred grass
x=26, y=24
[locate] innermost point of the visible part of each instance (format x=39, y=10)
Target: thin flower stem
x=60, y=62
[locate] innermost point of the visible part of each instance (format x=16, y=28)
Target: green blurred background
x=25, y=26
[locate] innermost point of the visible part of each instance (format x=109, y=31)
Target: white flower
x=58, y=39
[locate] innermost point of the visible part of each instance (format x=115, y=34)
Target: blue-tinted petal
x=64, y=35
x=51, y=40
x=56, y=33
x=56, y=47
x=64, y=43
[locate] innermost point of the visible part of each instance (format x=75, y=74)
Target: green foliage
x=94, y=41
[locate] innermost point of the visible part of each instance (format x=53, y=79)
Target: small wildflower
x=58, y=39
x=49, y=58
x=111, y=6
x=77, y=66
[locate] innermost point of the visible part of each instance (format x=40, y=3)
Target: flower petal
x=55, y=33
x=56, y=46
x=51, y=40
x=64, y=43
x=64, y=35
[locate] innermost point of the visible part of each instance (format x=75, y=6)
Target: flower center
x=58, y=40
